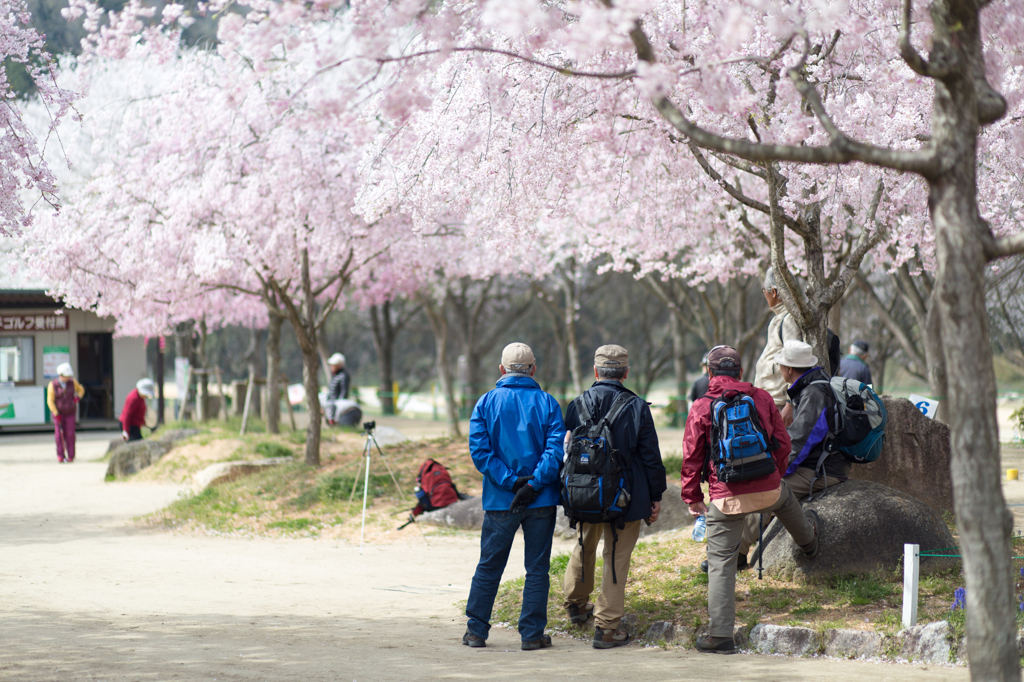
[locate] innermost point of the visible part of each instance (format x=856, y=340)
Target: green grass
x=294, y=525
x=271, y=449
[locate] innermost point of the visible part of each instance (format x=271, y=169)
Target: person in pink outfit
x=62, y=396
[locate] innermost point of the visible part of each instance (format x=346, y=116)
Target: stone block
x=852, y=643
x=928, y=643
x=779, y=639
x=223, y=472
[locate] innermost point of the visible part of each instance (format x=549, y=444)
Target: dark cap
x=724, y=357
x=862, y=344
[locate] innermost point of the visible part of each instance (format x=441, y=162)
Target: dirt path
x=85, y=597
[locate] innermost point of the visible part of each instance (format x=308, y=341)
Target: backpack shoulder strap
x=584, y=411
x=618, y=406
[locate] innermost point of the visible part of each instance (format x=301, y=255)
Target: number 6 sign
x=927, y=406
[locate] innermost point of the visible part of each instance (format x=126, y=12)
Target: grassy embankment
x=293, y=499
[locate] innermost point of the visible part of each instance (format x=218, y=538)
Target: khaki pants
x=579, y=574
x=800, y=483
x=724, y=532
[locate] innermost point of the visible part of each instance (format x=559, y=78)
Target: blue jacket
x=517, y=430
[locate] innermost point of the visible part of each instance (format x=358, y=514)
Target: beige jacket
x=766, y=372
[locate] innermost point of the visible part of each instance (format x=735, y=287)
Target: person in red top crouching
x=731, y=502
x=133, y=415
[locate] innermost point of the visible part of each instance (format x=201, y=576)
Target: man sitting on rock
x=732, y=502
x=813, y=406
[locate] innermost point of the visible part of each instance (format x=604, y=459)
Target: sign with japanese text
x=33, y=323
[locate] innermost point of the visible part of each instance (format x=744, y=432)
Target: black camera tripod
x=368, y=428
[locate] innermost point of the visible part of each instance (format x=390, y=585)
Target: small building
x=37, y=333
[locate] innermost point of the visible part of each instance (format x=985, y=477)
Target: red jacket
x=695, y=440
x=134, y=412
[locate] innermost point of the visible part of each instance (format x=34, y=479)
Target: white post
x=911, y=571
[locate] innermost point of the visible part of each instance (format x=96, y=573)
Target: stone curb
x=926, y=643
x=222, y=472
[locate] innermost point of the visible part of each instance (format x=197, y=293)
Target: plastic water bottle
x=700, y=529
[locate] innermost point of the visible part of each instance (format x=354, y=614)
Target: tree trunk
x=273, y=388
x=960, y=235
x=679, y=368
x=311, y=382
x=203, y=392
x=384, y=344
x=439, y=325
x=572, y=345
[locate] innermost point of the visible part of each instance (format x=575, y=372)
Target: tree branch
x=914, y=60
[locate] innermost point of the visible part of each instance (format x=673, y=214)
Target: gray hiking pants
x=724, y=531
x=800, y=483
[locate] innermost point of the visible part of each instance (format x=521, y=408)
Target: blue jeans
x=495, y=544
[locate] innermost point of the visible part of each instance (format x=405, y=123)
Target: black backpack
x=739, y=448
x=834, y=347
x=595, y=477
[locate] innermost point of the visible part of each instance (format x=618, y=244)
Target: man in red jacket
x=731, y=502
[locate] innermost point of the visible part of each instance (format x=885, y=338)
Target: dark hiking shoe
x=810, y=550
x=716, y=645
x=543, y=643
x=609, y=639
x=741, y=563
x=469, y=639
x=580, y=615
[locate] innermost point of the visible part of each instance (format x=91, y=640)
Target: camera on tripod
x=369, y=426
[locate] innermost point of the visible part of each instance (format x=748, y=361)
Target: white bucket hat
x=64, y=369
x=336, y=359
x=796, y=354
x=145, y=387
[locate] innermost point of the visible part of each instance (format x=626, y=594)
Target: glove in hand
x=520, y=482
x=523, y=499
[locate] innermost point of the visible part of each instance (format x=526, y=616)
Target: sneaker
x=741, y=563
x=810, y=550
x=609, y=639
x=579, y=616
x=716, y=645
x=469, y=639
x=543, y=643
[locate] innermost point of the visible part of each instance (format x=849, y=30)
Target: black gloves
x=520, y=482
x=523, y=499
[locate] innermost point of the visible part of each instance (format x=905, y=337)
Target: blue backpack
x=739, y=448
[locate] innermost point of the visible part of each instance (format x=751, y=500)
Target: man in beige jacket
x=767, y=374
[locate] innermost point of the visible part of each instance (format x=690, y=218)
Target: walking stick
x=760, y=546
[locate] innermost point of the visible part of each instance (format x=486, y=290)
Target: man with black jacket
x=813, y=405
x=633, y=437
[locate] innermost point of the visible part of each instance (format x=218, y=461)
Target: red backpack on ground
x=436, y=489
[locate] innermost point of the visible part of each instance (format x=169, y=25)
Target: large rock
x=864, y=528
x=223, y=472
x=778, y=639
x=469, y=515
x=927, y=643
x=130, y=458
x=915, y=458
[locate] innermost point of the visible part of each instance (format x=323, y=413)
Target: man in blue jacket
x=634, y=437
x=515, y=439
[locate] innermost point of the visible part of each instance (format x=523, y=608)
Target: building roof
x=27, y=298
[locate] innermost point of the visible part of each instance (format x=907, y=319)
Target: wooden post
x=911, y=573
x=248, y=402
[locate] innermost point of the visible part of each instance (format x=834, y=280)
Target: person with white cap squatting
x=62, y=396
x=133, y=415
x=339, y=409
x=515, y=439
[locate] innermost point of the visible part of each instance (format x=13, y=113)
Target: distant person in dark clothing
x=133, y=414
x=700, y=386
x=854, y=365
x=339, y=409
